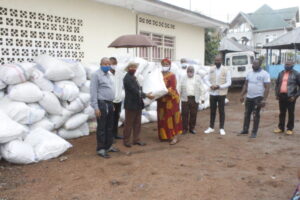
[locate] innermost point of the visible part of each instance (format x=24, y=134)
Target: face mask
x=256, y=69
x=183, y=66
x=165, y=69
x=113, y=67
x=131, y=71
x=105, y=69
x=218, y=65
x=288, y=68
x=190, y=74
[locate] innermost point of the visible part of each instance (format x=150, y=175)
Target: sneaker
x=277, y=130
x=209, y=130
x=289, y=132
x=113, y=149
x=222, y=132
x=102, y=153
x=253, y=135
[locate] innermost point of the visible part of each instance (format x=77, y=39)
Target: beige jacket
x=198, y=87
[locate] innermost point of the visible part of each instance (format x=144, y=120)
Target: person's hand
x=98, y=113
x=263, y=103
x=292, y=99
x=242, y=99
x=149, y=95
x=213, y=87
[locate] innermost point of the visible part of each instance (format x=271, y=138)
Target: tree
x=212, y=42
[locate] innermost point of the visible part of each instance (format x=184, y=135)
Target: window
x=227, y=62
x=251, y=59
x=165, y=47
x=239, y=60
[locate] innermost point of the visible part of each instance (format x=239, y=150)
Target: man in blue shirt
x=102, y=96
x=257, y=86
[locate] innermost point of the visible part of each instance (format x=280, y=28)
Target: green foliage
x=212, y=42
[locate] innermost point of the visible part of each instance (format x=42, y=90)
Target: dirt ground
x=200, y=167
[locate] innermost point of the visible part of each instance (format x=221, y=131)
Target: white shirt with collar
x=217, y=74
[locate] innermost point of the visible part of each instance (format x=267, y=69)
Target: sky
x=226, y=10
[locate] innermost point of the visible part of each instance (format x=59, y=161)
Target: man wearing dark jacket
x=133, y=105
x=287, y=91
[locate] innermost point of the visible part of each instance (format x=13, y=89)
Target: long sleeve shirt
x=222, y=86
x=101, y=88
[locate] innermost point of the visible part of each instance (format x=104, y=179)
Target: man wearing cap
x=102, y=95
x=133, y=105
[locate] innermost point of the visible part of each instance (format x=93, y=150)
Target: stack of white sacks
x=46, y=102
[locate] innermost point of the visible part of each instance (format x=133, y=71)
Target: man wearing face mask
x=102, y=95
x=287, y=91
x=218, y=80
x=133, y=105
x=257, y=86
x=191, y=90
x=117, y=78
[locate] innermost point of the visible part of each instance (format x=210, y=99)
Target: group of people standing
x=106, y=99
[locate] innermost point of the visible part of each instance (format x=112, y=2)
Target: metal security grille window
x=26, y=34
x=165, y=47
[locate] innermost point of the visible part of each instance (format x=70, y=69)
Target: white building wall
x=103, y=23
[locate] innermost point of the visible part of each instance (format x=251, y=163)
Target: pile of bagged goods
x=46, y=102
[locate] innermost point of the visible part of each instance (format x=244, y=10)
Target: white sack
x=39, y=79
x=79, y=74
x=83, y=130
x=90, y=69
x=21, y=112
x=75, y=121
x=44, y=123
x=90, y=112
x=16, y=73
x=154, y=83
x=144, y=120
x=25, y=92
x=2, y=94
x=151, y=115
x=18, y=152
x=2, y=85
x=59, y=120
x=78, y=104
x=152, y=106
x=66, y=90
x=46, y=145
x=9, y=129
x=85, y=88
x=51, y=103
x=54, y=69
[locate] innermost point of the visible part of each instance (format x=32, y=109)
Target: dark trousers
x=117, y=112
x=214, y=102
x=286, y=105
x=252, y=105
x=132, y=124
x=105, y=125
x=189, y=113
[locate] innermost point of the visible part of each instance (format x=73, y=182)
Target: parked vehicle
x=240, y=63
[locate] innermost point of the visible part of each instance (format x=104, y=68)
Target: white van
x=240, y=63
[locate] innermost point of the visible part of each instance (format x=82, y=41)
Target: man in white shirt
x=191, y=93
x=256, y=88
x=218, y=80
x=118, y=85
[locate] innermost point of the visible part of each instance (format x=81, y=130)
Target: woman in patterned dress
x=168, y=113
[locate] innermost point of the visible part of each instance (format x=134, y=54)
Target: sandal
x=174, y=141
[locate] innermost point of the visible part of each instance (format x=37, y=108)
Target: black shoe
x=139, y=143
x=193, y=132
x=253, y=135
x=103, y=154
x=243, y=132
x=113, y=149
x=127, y=145
x=119, y=137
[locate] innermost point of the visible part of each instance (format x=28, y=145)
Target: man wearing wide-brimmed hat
x=133, y=105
